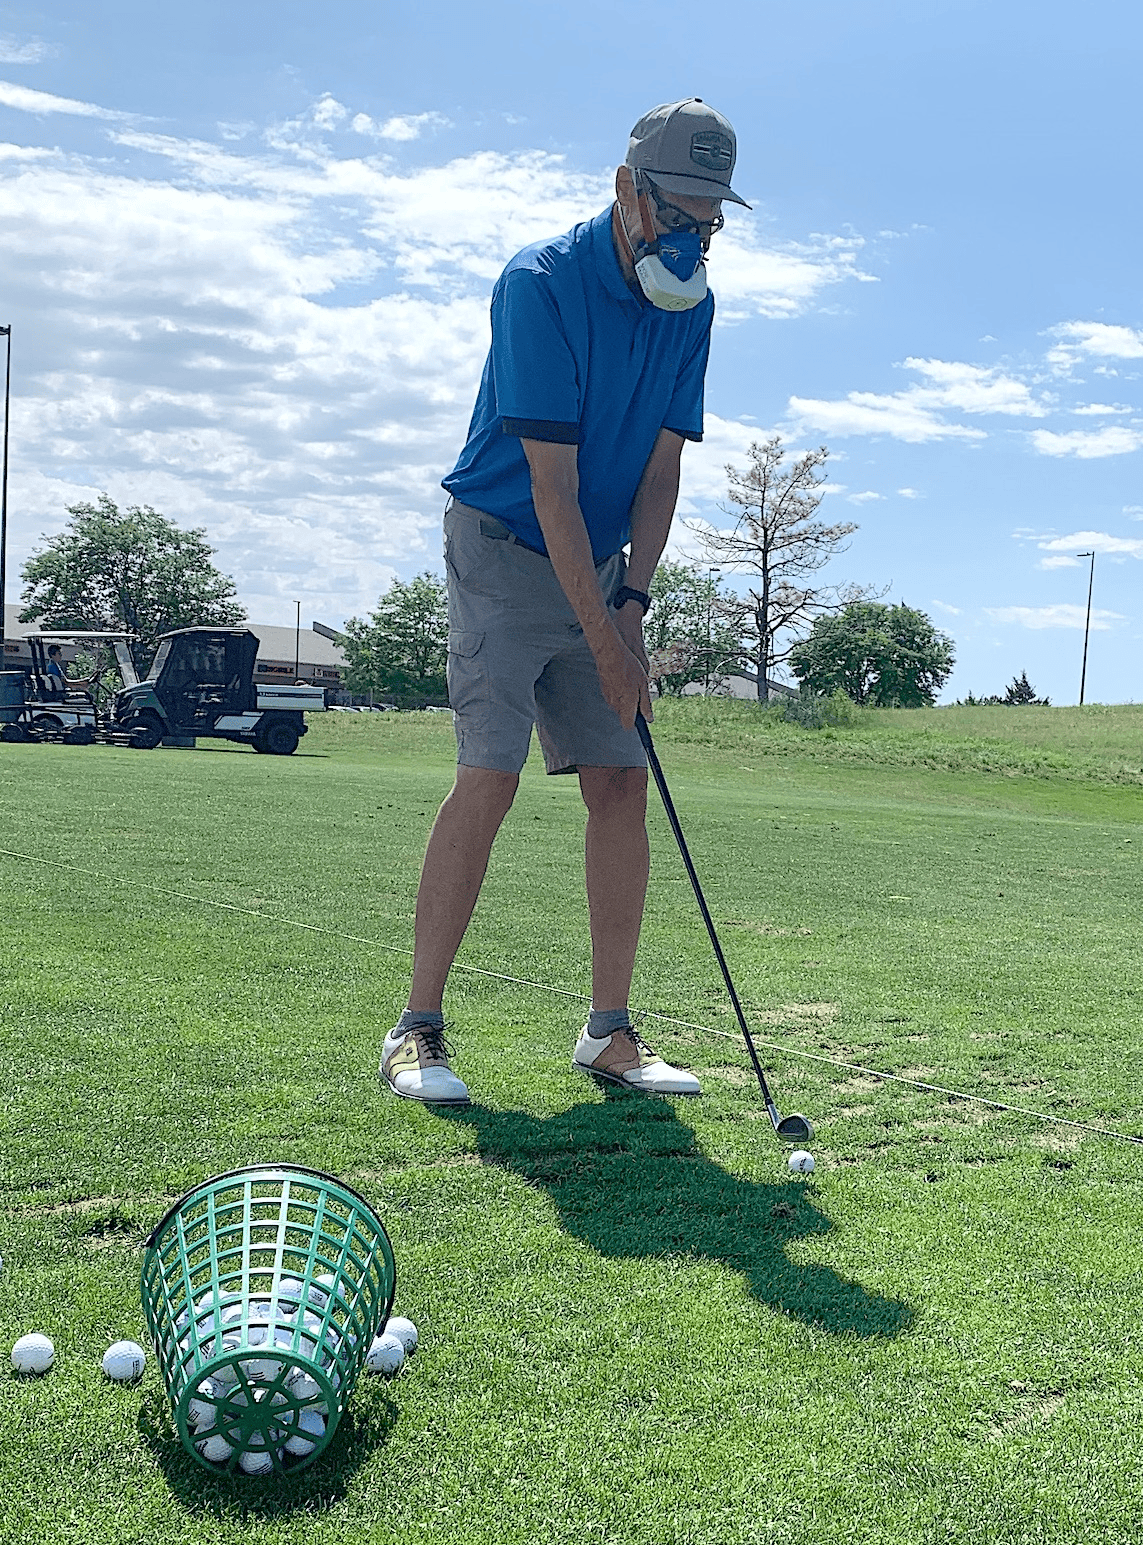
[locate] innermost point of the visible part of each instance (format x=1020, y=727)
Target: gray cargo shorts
x=517, y=656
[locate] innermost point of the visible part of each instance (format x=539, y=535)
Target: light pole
x=5, y=332
x=298, y=642
x=1087, y=624
x=710, y=578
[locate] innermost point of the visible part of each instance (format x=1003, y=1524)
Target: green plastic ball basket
x=263, y=1290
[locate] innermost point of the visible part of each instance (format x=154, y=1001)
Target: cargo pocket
x=467, y=679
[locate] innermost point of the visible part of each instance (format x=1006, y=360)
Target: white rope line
x=563, y=992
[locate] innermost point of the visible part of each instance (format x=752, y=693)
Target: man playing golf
x=593, y=384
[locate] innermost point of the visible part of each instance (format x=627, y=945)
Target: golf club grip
x=672, y=816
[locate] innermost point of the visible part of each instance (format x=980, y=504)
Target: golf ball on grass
x=405, y=1332
x=802, y=1163
x=124, y=1361
x=386, y=1355
x=33, y=1353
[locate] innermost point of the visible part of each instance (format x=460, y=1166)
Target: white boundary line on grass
x=563, y=992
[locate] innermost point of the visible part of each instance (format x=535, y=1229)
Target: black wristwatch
x=625, y=594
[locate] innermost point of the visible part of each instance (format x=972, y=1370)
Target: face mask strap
x=650, y=235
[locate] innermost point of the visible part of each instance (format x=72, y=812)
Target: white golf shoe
x=414, y=1063
x=625, y=1058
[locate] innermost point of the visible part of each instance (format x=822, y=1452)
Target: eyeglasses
x=677, y=220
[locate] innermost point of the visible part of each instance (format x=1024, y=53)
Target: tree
x=127, y=569
x=776, y=537
x=685, y=633
x=401, y=650
x=1021, y=693
x=884, y=656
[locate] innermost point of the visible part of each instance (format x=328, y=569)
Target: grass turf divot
x=932, y=1339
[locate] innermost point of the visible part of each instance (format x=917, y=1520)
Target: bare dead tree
x=776, y=538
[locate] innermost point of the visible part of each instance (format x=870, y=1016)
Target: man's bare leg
x=618, y=863
x=455, y=864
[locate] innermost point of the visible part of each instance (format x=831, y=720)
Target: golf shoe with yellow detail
x=624, y=1058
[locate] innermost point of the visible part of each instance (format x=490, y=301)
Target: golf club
x=793, y=1128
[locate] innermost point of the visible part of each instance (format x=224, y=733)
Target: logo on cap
x=712, y=150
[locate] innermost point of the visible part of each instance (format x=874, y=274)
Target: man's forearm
x=652, y=511
x=569, y=548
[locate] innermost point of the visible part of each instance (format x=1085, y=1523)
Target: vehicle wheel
x=279, y=738
x=13, y=734
x=48, y=722
x=80, y=735
x=145, y=731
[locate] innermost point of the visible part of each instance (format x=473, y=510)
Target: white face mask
x=670, y=268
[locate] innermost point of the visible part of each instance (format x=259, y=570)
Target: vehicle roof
x=64, y=634
x=234, y=632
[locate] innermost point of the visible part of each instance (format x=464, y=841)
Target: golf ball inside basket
x=801, y=1163
x=33, y=1353
x=124, y=1361
x=310, y=1422
x=386, y=1355
x=216, y=1449
x=405, y=1332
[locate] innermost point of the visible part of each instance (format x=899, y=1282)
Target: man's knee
x=614, y=791
x=485, y=790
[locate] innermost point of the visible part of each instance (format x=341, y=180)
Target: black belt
x=497, y=531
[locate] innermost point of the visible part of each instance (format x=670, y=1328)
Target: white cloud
x=402, y=127
x=1060, y=616
x=909, y=493
x=1100, y=410
x=974, y=388
x=917, y=413
x=1088, y=444
x=943, y=606
x=25, y=100
x=750, y=278
x=14, y=52
x=1134, y=510
x=1059, y=561
x=1092, y=340
x=329, y=112
x=864, y=498
x=1094, y=541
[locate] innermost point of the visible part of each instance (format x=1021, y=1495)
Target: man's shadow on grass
x=628, y=1178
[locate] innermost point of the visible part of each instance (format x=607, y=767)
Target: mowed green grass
x=636, y=1325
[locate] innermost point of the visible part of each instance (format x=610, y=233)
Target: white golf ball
x=386, y=1355
x=200, y=1407
x=802, y=1163
x=255, y=1461
x=33, y=1353
x=302, y=1387
x=314, y=1424
x=124, y=1361
x=405, y=1332
x=216, y=1449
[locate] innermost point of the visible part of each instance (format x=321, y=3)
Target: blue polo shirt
x=576, y=358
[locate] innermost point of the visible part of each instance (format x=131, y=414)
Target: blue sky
x=246, y=252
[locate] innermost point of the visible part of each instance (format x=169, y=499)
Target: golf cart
x=50, y=709
x=201, y=683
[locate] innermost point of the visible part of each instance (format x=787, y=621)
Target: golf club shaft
x=672, y=817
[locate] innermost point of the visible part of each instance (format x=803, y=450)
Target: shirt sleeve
x=684, y=415
x=533, y=368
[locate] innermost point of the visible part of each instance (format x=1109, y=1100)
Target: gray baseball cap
x=686, y=147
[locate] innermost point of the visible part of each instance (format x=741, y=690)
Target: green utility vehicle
x=201, y=683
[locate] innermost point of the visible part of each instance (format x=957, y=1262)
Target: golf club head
x=795, y=1128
